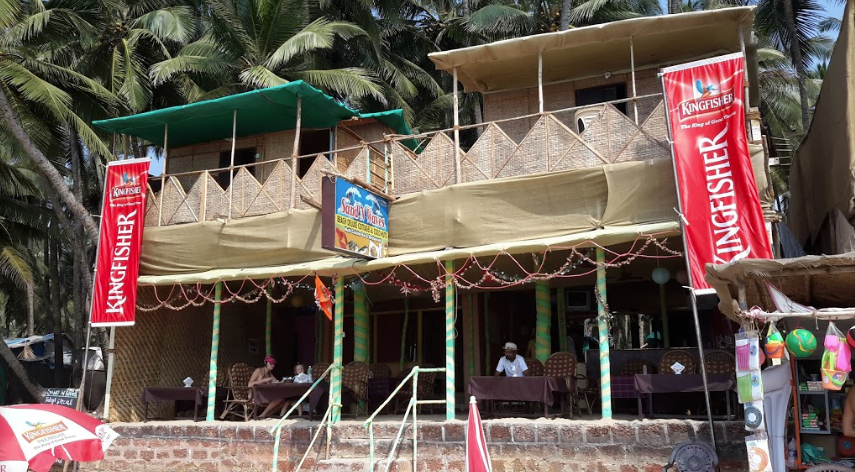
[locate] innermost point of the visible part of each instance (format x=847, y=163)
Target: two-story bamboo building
x=498, y=231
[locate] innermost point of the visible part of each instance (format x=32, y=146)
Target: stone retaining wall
x=545, y=445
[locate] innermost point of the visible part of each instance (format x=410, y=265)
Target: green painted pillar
x=603, y=325
x=562, y=321
x=215, y=351
x=360, y=325
x=338, y=341
x=449, y=340
x=268, y=328
x=543, y=330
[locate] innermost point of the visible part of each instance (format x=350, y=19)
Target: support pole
x=215, y=352
x=268, y=328
x=744, y=56
x=666, y=336
x=703, y=365
x=449, y=340
x=111, y=358
x=360, y=325
x=632, y=69
x=540, y=82
x=163, y=174
x=319, y=336
x=603, y=325
x=457, y=175
x=335, y=388
x=404, y=334
x=562, y=321
x=468, y=326
x=488, y=362
x=295, y=151
x=543, y=332
x=232, y=162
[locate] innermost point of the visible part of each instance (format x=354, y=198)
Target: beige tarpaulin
x=492, y=214
x=595, y=50
x=822, y=177
x=819, y=281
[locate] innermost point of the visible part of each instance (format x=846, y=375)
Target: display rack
x=813, y=408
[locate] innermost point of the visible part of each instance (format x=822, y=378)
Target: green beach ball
x=801, y=342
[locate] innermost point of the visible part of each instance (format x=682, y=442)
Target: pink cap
x=269, y=359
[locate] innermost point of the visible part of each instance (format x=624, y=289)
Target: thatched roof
x=818, y=281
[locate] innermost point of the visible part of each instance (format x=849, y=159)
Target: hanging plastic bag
x=758, y=453
x=835, y=360
x=774, y=343
x=747, y=351
x=749, y=386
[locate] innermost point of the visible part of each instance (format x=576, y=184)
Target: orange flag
x=323, y=297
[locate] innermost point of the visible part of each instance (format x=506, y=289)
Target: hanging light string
x=411, y=282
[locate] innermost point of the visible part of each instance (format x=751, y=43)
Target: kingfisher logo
x=41, y=430
x=128, y=188
x=708, y=98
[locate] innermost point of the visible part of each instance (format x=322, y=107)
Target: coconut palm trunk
x=796, y=56
x=31, y=388
x=566, y=6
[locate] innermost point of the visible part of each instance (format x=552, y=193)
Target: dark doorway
x=312, y=142
x=605, y=93
x=243, y=157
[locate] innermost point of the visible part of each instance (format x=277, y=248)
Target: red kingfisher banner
x=122, y=222
x=718, y=193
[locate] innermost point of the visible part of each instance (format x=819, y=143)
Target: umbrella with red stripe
x=477, y=456
x=34, y=436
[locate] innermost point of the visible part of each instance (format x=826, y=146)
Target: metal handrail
x=277, y=429
x=412, y=405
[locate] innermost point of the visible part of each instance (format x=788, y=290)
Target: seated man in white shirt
x=511, y=364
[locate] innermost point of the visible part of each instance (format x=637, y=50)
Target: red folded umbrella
x=477, y=455
x=35, y=436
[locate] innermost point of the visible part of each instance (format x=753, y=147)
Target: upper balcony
x=583, y=98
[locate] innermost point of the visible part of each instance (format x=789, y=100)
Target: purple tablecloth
x=268, y=393
x=663, y=383
x=171, y=394
x=519, y=389
x=623, y=386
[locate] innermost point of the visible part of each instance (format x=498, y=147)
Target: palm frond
x=260, y=77
x=344, y=82
x=173, y=24
x=13, y=265
x=320, y=34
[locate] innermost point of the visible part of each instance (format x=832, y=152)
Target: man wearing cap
x=511, y=364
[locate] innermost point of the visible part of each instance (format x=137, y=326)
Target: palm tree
x=591, y=12
x=257, y=44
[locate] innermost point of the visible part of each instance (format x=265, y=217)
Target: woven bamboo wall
x=165, y=346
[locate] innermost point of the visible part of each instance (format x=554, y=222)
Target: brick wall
x=554, y=446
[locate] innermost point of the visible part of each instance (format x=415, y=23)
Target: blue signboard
x=355, y=220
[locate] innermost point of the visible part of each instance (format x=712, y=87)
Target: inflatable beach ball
x=801, y=342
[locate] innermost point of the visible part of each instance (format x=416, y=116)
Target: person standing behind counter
x=511, y=364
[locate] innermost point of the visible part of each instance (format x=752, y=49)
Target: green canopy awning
x=394, y=119
x=258, y=112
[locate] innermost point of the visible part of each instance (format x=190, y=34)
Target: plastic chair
x=535, y=367
x=693, y=456
x=683, y=357
x=238, y=392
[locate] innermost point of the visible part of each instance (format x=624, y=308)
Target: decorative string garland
x=182, y=296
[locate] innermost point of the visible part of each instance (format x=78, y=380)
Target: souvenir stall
x=793, y=360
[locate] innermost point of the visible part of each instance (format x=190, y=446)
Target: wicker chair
x=426, y=390
x=720, y=362
x=562, y=365
x=636, y=366
x=238, y=401
x=355, y=377
x=318, y=369
x=683, y=357
x=535, y=367
x=380, y=371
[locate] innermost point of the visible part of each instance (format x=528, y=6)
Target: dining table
x=650, y=384
x=172, y=394
x=537, y=389
x=264, y=394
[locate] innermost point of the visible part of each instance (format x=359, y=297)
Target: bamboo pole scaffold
x=543, y=330
x=338, y=341
x=215, y=351
x=603, y=327
x=268, y=328
x=360, y=325
x=449, y=340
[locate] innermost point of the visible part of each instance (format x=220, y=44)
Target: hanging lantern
x=661, y=275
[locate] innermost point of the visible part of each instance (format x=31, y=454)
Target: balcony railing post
x=203, y=199
x=539, y=82
x=295, y=151
x=632, y=70
x=457, y=177
x=232, y=161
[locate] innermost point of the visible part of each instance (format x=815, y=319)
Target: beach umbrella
x=35, y=436
x=477, y=456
